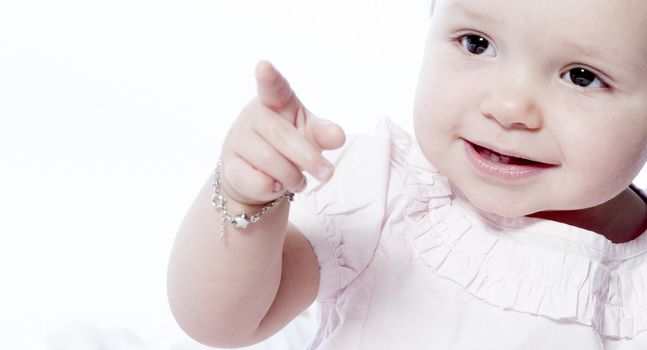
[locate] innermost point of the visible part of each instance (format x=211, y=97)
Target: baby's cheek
x=624, y=158
x=604, y=172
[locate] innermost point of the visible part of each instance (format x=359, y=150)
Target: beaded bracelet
x=241, y=220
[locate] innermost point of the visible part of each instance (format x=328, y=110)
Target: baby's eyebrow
x=469, y=12
x=586, y=50
x=618, y=60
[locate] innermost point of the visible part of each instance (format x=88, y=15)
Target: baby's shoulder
x=342, y=218
x=361, y=164
x=366, y=159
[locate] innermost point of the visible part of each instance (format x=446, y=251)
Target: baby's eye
x=584, y=78
x=477, y=45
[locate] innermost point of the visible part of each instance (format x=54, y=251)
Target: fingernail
x=324, y=171
x=277, y=187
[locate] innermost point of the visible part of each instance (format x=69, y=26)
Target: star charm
x=240, y=221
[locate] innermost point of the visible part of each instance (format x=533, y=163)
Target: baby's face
x=562, y=83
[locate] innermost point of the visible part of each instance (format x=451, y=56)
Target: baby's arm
x=242, y=289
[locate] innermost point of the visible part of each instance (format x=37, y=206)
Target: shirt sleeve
x=342, y=219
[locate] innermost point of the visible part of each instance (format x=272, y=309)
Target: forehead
x=594, y=14
x=614, y=26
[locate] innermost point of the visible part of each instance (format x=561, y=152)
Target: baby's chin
x=506, y=212
x=504, y=207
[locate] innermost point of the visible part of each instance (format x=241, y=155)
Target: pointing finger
x=275, y=92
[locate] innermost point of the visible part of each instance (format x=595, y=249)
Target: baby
x=509, y=221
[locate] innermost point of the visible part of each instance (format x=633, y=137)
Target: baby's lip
x=508, y=153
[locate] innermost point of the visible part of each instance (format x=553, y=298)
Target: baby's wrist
x=237, y=213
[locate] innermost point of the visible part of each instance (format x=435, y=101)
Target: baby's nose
x=512, y=106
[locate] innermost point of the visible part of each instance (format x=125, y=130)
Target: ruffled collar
x=524, y=264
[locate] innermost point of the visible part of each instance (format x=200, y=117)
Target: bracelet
x=241, y=220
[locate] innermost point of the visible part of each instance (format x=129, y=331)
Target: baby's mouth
x=505, y=159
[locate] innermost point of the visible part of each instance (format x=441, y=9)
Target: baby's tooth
x=505, y=159
x=494, y=157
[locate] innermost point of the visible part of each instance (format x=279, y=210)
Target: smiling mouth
x=506, y=159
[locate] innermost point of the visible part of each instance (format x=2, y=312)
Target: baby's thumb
x=324, y=134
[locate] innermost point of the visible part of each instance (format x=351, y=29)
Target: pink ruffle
x=608, y=293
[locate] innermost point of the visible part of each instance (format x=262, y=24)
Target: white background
x=111, y=116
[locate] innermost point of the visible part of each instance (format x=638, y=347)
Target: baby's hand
x=273, y=141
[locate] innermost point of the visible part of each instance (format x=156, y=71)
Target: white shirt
x=407, y=263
